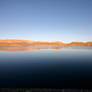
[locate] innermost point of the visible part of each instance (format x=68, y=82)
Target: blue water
x=66, y=67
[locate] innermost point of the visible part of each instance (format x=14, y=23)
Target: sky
x=46, y=20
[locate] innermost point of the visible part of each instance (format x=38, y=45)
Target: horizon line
x=48, y=41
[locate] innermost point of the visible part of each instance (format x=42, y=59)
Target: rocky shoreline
x=38, y=43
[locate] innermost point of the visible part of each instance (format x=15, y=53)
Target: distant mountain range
x=38, y=43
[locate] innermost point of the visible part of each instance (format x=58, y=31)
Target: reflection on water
x=28, y=48
x=45, y=66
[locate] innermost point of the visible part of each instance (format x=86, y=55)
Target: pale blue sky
x=46, y=20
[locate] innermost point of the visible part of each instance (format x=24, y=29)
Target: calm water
x=63, y=67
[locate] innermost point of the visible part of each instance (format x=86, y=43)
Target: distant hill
x=38, y=43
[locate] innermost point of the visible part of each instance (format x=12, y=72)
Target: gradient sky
x=46, y=20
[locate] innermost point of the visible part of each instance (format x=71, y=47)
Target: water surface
x=46, y=67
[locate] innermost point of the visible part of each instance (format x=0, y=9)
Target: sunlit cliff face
x=20, y=43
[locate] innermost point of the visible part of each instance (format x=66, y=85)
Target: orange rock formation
x=37, y=43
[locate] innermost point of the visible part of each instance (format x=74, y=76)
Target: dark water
x=52, y=68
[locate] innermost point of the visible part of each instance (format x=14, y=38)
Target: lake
x=43, y=67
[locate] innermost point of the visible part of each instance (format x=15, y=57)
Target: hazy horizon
x=46, y=20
